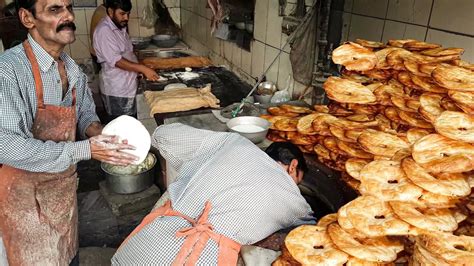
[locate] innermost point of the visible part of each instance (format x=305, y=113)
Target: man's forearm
x=129, y=65
x=94, y=129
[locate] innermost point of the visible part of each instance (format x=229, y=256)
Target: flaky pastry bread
x=422, y=257
x=403, y=104
x=454, y=77
x=322, y=152
x=347, y=91
x=464, y=100
x=286, y=124
x=353, y=261
x=355, y=76
x=454, y=249
x=275, y=110
x=370, y=44
x=376, y=250
x=437, y=154
x=354, y=57
x=414, y=120
x=354, y=166
x=374, y=218
x=433, y=219
x=427, y=84
x=380, y=143
x=399, y=43
x=413, y=67
x=327, y=219
x=382, y=57
x=414, y=134
x=311, y=245
x=272, y=119
x=296, y=109
x=305, y=126
x=448, y=184
x=353, y=150
x=440, y=51
x=430, y=106
x=386, y=180
x=456, y=125
x=418, y=45
x=339, y=133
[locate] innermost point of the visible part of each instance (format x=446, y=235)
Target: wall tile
x=270, y=54
x=283, y=71
x=365, y=28
x=397, y=30
x=413, y=11
x=260, y=20
x=246, y=62
x=134, y=27
x=146, y=32
x=236, y=55
x=258, y=58
x=80, y=21
x=457, y=16
x=375, y=8
x=80, y=47
x=273, y=36
x=453, y=40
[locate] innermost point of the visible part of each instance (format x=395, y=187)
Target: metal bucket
x=130, y=183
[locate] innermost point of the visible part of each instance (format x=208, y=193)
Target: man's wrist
x=94, y=129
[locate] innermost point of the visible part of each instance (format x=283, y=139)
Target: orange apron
x=38, y=211
x=196, y=237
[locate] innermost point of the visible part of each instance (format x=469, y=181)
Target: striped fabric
x=251, y=195
x=18, y=107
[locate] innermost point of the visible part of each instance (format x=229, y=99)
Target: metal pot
x=131, y=183
x=165, y=40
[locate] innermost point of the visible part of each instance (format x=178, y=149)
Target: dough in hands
x=132, y=130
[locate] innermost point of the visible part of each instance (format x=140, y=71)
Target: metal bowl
x=129, y=183
x=252, y=127
x=140, y=42
x=266, y=88
x=165, y=40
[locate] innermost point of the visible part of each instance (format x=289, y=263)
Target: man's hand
x=150, y=74
x=94, y=129
x=107, y=149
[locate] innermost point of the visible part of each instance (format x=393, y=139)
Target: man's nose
x=69, y=15
x=126, y=16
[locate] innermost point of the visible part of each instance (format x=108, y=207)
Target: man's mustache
x=69, y=25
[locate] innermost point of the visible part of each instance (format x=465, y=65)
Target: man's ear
x=293, y=166
x=110, y=12
x=26, y=18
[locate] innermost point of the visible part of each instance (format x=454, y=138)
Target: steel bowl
x=266, y=88
x=256, y=136
x=129, y=183
x=165, y=40
x=140, y=42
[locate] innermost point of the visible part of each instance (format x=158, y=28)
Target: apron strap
x=36, y=73
x=196, y=237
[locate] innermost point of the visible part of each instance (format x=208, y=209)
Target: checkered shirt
x=18, y=108
x=251, y=195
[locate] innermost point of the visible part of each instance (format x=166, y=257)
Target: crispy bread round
x=296, y=109
x=377, y=250
x=370, y=44
x=454, y=249
x=463, y=99
x=355, y=76
x=418, y=45
x=322, y=152
x=427, y=68
x=382, y=57
x=347, y=91
x=440, y=51
x=413, y=67
x=354, y=57
x=432, y=219
x=374, y=217
x=275, y=110
x=286, y=124
x=386, y=180
x=354, y=166
x=430, y=106
x=414, y=119
x=427, y=84
x=311, y=245
x=437, y=153
x=339, y=133
x=456, y=125
x=414, y=134
x=353, y=261
x=381, y=143
x=399, y=43
x=353, y=150
x=423, y=257
x=403, y=103
x=327, y=219
x=321, y=108
x=304, y=125
x=454, y=77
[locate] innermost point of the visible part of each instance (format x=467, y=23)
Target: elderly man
x=44, y=98
x=227, y=193
x=119, y=64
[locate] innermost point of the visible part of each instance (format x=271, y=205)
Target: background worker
x=120, y=67
x=227, y=193
x=44, y=102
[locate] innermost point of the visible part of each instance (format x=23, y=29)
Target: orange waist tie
x=196, y=237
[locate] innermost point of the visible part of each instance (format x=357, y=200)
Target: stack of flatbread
x=400, y=128
x=182, y=99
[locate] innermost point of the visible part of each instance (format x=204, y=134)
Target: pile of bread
x=400, y=126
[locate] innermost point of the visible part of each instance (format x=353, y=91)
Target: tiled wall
x=195, y=22
x=79, y=50
x=447, y=22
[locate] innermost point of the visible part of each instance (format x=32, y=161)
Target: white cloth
x=3, y=253
x=251, y=195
